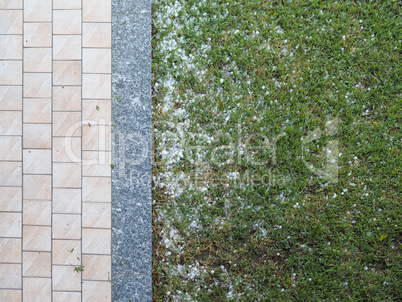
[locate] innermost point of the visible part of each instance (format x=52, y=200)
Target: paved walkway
x=55, y=150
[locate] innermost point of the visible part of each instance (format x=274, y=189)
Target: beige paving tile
x=66, y=226
x=66, y=252
x=10, y=72
x=67, y=73
x=97, y=35
x=96, y=10
x=37, y=60
x=10, y=295
x=11, y=174
x=37, y=111
x=96, y=291
x=96, y=241
x=66, y=175
x=37, y=10
x=37, y=162
x=10, y=47
x=37, y=238
x=10, y=276
x=37, y=264
x=38, y=136
x=11, y=97
x=97, y=267
x=96, y=163
x=10, y=147
x=67, y=201
x=96, y=215
x=66, y=279
x=37, y=212
x=96, y=189
x=37, y=289
x=66, y=123
x=10, y=225
x=37, y=85
x=37, y=187
x=96, y=138
x=67, y=98
x=37, y=34
x=10, y=22
x=67, y=149
x=97, y=60
x=96, y=86
x=63, y=4
x=10, y=123
x=66, y=47
x=66, y=297
x=10, y=250
x=10, y=199
x=97, y=110
x=11, y=4
x=66, y=22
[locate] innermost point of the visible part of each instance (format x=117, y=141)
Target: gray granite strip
x=131, y=178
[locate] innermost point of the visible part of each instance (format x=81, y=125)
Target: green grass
x=239, y=214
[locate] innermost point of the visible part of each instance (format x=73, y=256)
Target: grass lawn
x=277, y=150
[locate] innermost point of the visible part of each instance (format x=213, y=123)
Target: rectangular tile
x=10, y=250
x=10, y=147
x=66, y=252
x=10, y=47
x=10, y=123
x=96, y=215
x=67, y=73
x=11, y=97
x=96, y=291
x=10, y=199
x=37, y=289
x=11, y=174
x=10, y=295
x=63, y=4
x=37, y=10
x=38, y=136
x=66, y=22
x=96, y=163
x=37, y=34
x=37, y=187
x=67, y=98
x=96, y=189
x=37, y=162
x=67, y=149
x=10, y=72
x=37, y=264
x=66, y=226
x=10, y=276
x=37, y=212
x=97, y=267
x=96, y=86
x=96, y=138
x=37, y=85
x=10, y=225
x=96, y=10
x=37, y=60
x=67, y=201
x=66, y=47
x=96, y=241
x=37, y=238
x=66, y=297
x=97, y=35
x=99, y=111
x=66, y=124
x=65, y=278
x=11, y=4
x=97, y=60
x=11, y=22
x=66, y=175
x=37, y=111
